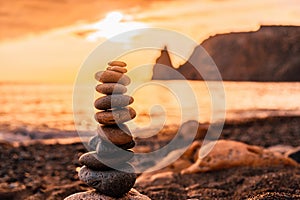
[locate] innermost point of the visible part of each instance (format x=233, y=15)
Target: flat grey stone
x=97, y=161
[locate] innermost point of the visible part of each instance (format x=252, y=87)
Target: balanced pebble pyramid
x=105, y=167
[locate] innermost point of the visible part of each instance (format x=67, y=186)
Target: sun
x=113, y=24
x=114, y=17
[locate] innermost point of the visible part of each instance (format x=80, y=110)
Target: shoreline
x=73, y=138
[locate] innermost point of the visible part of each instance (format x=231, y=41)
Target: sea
x=42, y=111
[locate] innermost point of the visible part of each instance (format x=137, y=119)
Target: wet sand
x=48, y=171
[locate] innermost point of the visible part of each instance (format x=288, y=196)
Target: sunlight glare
x=114, y=17
x=114, y=23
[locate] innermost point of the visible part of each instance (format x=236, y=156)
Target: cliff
x=163, y=69
x=270, y=54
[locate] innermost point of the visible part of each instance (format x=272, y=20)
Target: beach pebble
x=93, y=161
x=111, y=88
x=113, y=101
x=112, y=182
x=93, y=142
x=94, y=195
x=117, y=63
x=117, y=69
x=112, y=77
x=127, y=145
x=108, y=147
x=117, y=134
x=115, y=159
x=116, y=116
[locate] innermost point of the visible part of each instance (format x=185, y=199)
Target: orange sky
x=46, y=41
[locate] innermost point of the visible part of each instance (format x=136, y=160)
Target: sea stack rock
x=105, y=167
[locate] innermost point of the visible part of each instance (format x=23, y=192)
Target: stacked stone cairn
x=105, y=167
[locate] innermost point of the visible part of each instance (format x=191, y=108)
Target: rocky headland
x=268, y=54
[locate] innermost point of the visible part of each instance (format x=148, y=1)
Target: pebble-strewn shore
x=40, y=171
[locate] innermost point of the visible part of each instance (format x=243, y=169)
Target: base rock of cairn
x=105, y=167
x=94, y=195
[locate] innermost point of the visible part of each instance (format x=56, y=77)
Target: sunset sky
x=47, y=41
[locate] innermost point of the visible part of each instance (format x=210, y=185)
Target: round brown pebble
x=117, y=63
x=96, y=161
x=111, y=88
x=117, y=69
x=116, y=116
x=112, y=182
x=112, y=77
x=113, y=101
x=116, y=134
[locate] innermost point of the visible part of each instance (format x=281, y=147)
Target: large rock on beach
x=224, y=154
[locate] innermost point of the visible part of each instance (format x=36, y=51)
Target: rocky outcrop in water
x=269, y=54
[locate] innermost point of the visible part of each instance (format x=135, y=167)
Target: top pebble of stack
x=117, y=63
x=114, y=74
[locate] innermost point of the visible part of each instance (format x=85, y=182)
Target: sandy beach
x=48, y=171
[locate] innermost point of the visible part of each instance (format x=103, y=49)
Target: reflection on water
x=48, y=108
